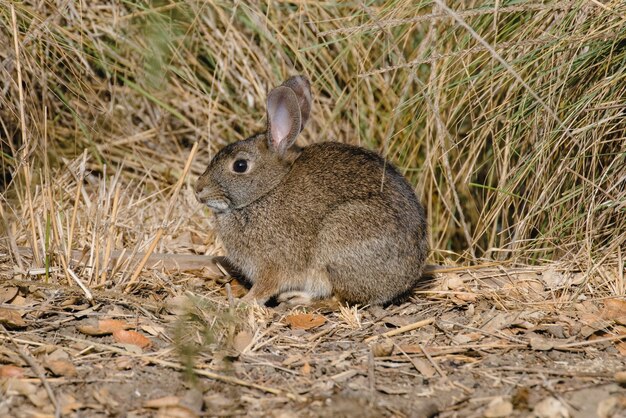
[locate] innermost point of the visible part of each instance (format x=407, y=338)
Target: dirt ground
x=491, y=341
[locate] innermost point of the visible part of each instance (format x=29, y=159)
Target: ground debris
x=204, y=353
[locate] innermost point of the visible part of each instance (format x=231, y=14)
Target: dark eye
x=240, y=166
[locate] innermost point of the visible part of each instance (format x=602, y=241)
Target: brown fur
x=325, y=219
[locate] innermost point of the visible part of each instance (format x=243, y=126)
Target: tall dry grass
x=507, y=116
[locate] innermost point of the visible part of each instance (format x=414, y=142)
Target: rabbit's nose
x=202, y=192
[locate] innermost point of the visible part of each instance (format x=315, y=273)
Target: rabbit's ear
x=283, y=118
x=300, y=85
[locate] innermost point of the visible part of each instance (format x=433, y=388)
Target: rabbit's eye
x=240, y=166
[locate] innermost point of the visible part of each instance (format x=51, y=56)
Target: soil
x=471, y=343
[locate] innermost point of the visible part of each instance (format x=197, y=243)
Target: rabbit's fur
x=308, y=223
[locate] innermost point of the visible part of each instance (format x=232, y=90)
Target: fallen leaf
x=124, y=363
x=11, y=371
x=614, y=310
x=454, y=282
x=19, y=387
x=11, y=318
x=103, y=327
x=497, y=322
x=242, y=340
x=105, y=398
x=540, y=344
x=131, y=337
x=424, y=367
x=178, y=305
x=466, y=338
x=152, y=329
x=69, y=404
x=60, y=368
x=8, y=293
x=305, y=320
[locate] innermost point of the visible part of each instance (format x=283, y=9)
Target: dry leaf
x=131, y=337
x=541, y=344
x=103, y=327
x=60, y=368
x=11, y=371
x=466, y=338
x=497, y=322
x=11, y=318
x=19, y=387
x=424, y=367
x=242, y=340
x=553, y=279
x=614, y=310
x=152, y=329
x=69, y=404
x=305, y=320
x=7, y=294
x=454, y=282
x=112, y=325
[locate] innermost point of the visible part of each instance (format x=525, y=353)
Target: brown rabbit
x=308, y=223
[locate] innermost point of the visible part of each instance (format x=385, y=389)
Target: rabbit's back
x=369, y=228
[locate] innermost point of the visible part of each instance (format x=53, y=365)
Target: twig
x=80, y=284
x=435, y=365
x=402, y=330
x=554, y=372
x=371, y=373
x=589, y=342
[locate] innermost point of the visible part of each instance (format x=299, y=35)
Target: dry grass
x=512, y=130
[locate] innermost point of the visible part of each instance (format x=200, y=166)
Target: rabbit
x=308, y=223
